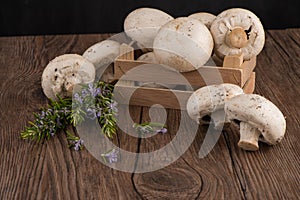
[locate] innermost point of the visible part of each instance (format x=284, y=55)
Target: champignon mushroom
x=65, y=71
x=204, y=17
x=102, y=53
x=259, y=119
x=148, y=57
x=142, y=25
x=237, y=31
x=184, y=44
x=208, y=102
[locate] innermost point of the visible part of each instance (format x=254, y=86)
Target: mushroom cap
x=210, y=98
x=238, y=18
x=102, y=53
x=142, y=25
x=204, y=17
x=148, y=57
x=260, y=113
x=184, y=44
x=63, y=72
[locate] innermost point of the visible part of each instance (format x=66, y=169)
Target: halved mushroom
x=204, y=17
x=64, y=72
x=142, y=25
x=184, y=44
x=208, y=102
x=237, y=31
x=259, y=119
x=102, y=53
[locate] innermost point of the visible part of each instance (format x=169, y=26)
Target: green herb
x=92, y=101
x=150, y=127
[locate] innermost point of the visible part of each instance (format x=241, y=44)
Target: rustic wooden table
x=52, y=171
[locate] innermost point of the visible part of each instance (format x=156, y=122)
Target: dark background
x=34, y=17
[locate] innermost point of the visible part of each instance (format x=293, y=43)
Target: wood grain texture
x=52, y=171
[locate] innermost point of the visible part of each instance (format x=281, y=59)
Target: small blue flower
x=111, y=156
x=113, y=106
x=94, y=91
x=64, y=110
x=58, y=123
x=52, y=132
x=78, y=98
x=162, y=130
x=78, y=144
x=84, y=93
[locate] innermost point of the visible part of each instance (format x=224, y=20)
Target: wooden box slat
x=233, y=71
x=175, y=99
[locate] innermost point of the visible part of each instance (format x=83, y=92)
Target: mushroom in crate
x=204, y=17
x=237, y=31
x=142, y=25
x=184, y=44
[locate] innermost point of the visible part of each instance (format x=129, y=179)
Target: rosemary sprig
x=49, y=121
x=150, y=127
x=93, y=101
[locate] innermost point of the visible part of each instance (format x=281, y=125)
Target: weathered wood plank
x=189, y=177
x=273, y=172
x=52, y=171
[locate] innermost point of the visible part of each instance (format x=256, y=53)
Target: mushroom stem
x=248, y=137
x=237, y=38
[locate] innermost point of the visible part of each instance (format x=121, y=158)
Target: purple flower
x=84, y=93
x=78, y=98
x=162, y=130
x=65, y=111
x=58, y=123
x=52, y=132
x=94, y=91
x=99, y=113
x=113, y=106
x=78, y=144
x=112, y=156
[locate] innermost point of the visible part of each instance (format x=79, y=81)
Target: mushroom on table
x=260, y=120
x=64, y=72
x=208, y=103
x=102, y=53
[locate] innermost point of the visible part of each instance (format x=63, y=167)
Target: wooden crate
x=234, y=70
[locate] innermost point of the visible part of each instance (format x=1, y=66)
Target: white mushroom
x=204, y=17
x=64, y=72
x=208, y=102
x=184, y=44
x=259, y=119
x=238, y=31
x=142, y=25
x=102, y=53
x=148, y=57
